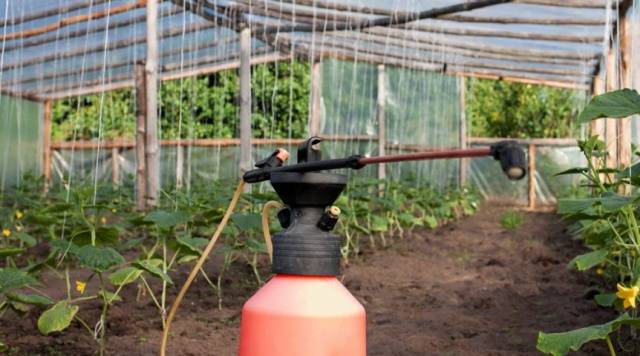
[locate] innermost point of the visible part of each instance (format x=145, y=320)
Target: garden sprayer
x=304, y=310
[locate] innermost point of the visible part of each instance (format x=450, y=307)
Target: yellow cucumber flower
x=6, y=232
x=19, y=214
x=103, y=220
x=80, y=286
x=628, y=295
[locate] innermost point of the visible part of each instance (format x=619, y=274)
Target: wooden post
x=315, y=101
x=245, y=100
x=152, y=148
x=596, y=127
x=382, y=137
x=141, y=114
x=46, y=143
x=624, y=125
x=462, y=127
x=179, y=166
x=115, y=166
x=611, y=125
x=532, y=176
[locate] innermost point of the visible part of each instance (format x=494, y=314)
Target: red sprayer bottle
x=304, y=310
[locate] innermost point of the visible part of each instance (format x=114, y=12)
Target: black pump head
x=512, y=159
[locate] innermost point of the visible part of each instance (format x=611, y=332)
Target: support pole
x=245, y=100
x=382, y=138
x=179, y=166
x=532, y=176
x=46, y=143
x=115, y=166
x=596, y=127
x=152, y=148
x=462, y=127
x=141, y=114
x=315, y=103
x=624, y=125
x=611, y=125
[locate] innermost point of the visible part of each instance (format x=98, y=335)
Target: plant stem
x=612, y=351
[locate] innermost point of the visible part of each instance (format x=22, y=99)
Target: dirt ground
x=468, y=288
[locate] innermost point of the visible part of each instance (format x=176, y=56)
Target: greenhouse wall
x=20, y=140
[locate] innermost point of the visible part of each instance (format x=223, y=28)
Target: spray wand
x=509, y=153
x=306, y=256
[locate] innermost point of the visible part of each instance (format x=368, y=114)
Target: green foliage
x=503, y=109
x=203, y=107
x=511, y=219
x=558, y=344
x=57, y=318
x=607, y=222
x=615, y=104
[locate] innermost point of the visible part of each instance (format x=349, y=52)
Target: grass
x=511, y=219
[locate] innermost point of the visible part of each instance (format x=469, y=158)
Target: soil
x=468, y=288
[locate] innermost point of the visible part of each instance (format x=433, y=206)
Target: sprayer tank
x=303, y=316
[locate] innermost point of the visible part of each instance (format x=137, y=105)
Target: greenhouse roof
x=59, y=48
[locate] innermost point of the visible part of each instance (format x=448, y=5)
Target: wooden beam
x=380, y=108
x=204, y=70
x=460, y=49
x=334, y=19
x=526, y=20
x=462, y=129
x=245, y=101
x=328, y=44
x=315, y=104
x=207, y=142
x=46, y=143
x=83, y=31
x=102, y=47
x=141, y=114
x=152, y=147
x=597, y=127
x=65, y=7
x=56, y=26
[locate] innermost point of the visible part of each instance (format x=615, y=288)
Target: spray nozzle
x=512, y=159
x=276, y=159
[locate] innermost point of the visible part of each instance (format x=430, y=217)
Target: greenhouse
x=189, y=177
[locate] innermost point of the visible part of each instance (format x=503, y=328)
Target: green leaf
x=11, y=278
x=247, y=221
x=431, y=221
x=151, y=266
x=64, y=246
x=57, y=318
x=165, y=219
x=573, y=206
x=558, y=344
x=614, y=104
x=187, y=259
x=111, y=297
x=605, y=299
x=11, y=251
x=125, y=275
x=32, y=299
x=28, y=240
x=255, y=245
x=588, y=260
x=379, y=224
x=193, y=244
x=99, y=259
x=575, y=170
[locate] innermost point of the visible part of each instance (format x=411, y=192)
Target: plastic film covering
x=421, y=108
x=550, y=160
x=20, y=140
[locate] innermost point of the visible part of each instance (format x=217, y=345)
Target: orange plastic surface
x=303, y=316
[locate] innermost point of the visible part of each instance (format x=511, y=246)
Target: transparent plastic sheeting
x=20, y=139
x=485, y=174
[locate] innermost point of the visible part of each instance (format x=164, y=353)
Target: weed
x=511, y=219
